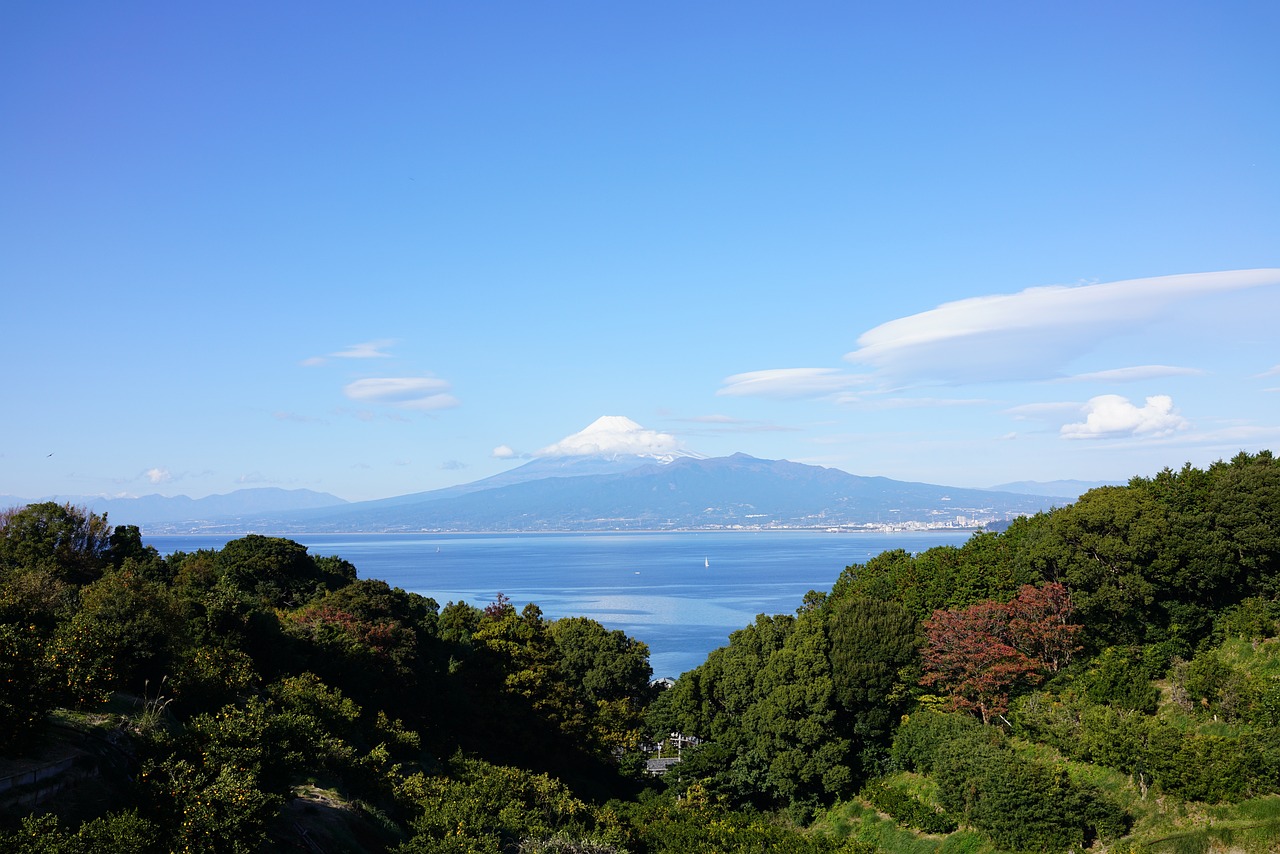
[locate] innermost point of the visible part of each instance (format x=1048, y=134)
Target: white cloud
x=790, y=383
x=1034, y=333
x=616, y=434
x=431, y=403
x=1270, y=372
x=1237, y=437
x=924, y=402
x=1054, y=411
x=716, y=424
x=503, y=452
x=1111, y=416
x=1137, y=373
x=417, y=393
x=158, y=475
x=366, y=350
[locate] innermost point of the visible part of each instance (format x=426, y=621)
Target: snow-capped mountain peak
x=618, y=436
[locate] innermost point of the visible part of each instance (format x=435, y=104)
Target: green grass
x=1242, y=836
x=1262, y=659
x=855, y=820
x=1161, y=824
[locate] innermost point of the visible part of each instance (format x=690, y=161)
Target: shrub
x=906, y=808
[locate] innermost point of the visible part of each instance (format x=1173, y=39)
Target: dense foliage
x=258, y=697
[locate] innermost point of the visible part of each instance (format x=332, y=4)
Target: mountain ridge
x=1071, y=489
x=155, y=508
x=639, y=493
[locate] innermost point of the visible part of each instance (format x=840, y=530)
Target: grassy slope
x=1162, y=824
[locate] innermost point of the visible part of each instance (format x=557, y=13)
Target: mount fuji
x=618, y=476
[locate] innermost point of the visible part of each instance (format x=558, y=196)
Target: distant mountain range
x=599, y=493
x=1069, y=489
x=148, y=511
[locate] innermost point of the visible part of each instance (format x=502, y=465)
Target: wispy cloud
x=296, y=417
x=1111, y=416
x=416, y=393
x=713, y=419
x=790, y=383
x=924, y=402
x=1031, y=334
x=1055, y=411
x=257, y=477
x=1138, y=373
x=366, y=350
x=158, y=475
x=716, y=424
x=1269, y=372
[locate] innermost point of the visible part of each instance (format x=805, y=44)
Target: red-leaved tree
x=1040, y=625
x=979, y=654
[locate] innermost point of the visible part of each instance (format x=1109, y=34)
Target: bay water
x=681, y=593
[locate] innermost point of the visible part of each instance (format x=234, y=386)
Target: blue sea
x=680, y=593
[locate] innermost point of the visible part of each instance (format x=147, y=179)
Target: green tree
x=70, y=542
x=209, y=809
x=1245, y=506
x=374, y=641
x=1121, y=676
x=792, y=725
x=27, y=691
x=208, y=677
x=611, y=671
x=1112, y=552
x=1023, y=804
x=481, y=807
x=278, y=572
x=872, y=643
x=699, y=821
x=130, y=623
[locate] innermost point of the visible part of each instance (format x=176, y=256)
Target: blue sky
x=373, y=250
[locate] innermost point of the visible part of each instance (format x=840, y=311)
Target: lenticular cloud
x=1031, y=334
x=789, y=383
x=424, y=393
